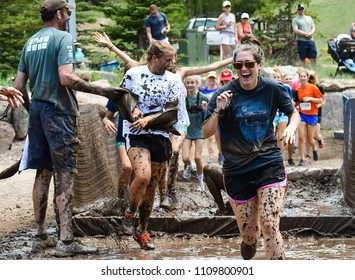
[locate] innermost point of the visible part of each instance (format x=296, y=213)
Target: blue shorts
x=53, y=140
x=306, y=49
x=242, y=188
x=280, y=119
x=309, y=119
x=159, y=146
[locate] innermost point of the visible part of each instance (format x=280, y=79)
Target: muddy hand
x=224, y=100
x=288, y=136
x=139, y=124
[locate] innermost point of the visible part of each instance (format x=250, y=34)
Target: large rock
x=20, y=122
x=7, y=135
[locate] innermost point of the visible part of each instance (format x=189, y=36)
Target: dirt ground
x=16, y=214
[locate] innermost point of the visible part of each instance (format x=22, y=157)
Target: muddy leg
x=146, y=206
x=216, y=193
x=270, y=205
x=40, y=198
x=64, y=200
x=173, y=171
x=214, y=180
x=248, y=221
x=162, y=180
x=140, y=159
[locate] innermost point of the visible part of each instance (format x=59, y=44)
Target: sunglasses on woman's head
x=248, y=64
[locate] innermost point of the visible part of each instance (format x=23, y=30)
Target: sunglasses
x=248, y=64
x=67, y=10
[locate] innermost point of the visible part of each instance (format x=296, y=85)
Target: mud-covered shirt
x=154, y=92
x=246, y=127
x=41, y=57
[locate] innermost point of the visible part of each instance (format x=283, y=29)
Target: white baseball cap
x=245, y=15
x=226, y=3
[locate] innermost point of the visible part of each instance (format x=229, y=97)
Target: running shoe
x=144, y=241
x=308, y=157
x=42, y=242
x=128, y=223
x=74, y=248
x=315, y=155
x=201, y=186
x=291, y=162
x=302, y=162
x=187, y=172
x=167, y=202
x=247, y=251
x=320, y=142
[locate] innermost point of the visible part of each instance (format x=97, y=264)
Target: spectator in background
x=196, y=105
x=352, y=30
x=226, y=24
x=243, y=27
x=212, y=87
x=156, y=25
x=308, y=98
x=226, y=76
x=304, y=28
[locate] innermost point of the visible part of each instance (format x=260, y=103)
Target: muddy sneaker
x=247, y=251
x=187, y=172
x=74, y=248
x=129, y=223
x=42, y=242
x=291, y=162
x=201, y=186
x=144, y=241
x=315, y=155
x=167, y=203
x=320, y=143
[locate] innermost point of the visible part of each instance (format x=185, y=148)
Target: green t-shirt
x=41, y=57
x=196, y=116
x=305, y=24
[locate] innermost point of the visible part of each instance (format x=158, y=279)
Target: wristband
x=110, y=48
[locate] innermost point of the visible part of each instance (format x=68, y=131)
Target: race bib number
x=305, y=106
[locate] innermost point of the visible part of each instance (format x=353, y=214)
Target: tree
x=19, y=20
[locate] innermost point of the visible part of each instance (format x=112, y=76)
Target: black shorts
x=243, y=188
x=306, y=49
x=159, y=146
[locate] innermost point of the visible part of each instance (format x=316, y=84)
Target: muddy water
x=184, y=247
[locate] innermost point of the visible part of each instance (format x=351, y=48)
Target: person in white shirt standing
x=226, y=24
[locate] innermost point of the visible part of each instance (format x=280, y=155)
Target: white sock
x=200, y=178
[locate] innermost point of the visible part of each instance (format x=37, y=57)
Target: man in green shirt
x=47, y=63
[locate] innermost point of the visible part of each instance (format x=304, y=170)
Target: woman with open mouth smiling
x=254, y=172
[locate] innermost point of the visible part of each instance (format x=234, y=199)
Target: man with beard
x=47, y=62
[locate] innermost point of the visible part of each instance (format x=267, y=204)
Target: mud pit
x=190, y=230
